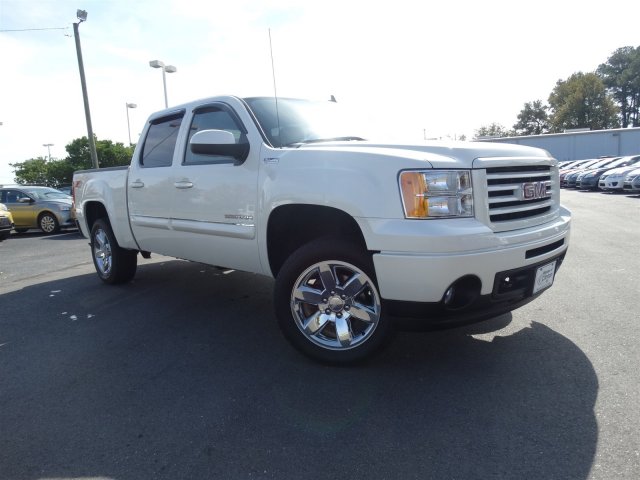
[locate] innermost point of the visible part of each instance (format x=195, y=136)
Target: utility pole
x=82, y=16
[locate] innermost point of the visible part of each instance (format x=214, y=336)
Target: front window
x=291, y=122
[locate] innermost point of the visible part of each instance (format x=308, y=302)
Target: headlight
x=64, y=208
x=436, y=193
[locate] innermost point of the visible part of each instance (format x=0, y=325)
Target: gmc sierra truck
x=355, y=233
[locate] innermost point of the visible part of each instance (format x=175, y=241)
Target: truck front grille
x=521, y=193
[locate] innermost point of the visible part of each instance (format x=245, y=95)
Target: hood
x=621, y=170
x=441, y=154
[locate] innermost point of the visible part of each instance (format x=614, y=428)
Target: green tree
x=621, y=77
x=56, y=173
x=109, y=154
x=31, y=172
x=582, y=101
x=493, y=130
x=533, y=119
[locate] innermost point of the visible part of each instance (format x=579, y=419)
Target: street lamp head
x=156, y=64
x=131, y=105
x=82, y=15
x=170, y=69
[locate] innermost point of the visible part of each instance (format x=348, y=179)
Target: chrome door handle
x=183, y=184
x=136, y=184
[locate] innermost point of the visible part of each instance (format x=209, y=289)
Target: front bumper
x=468, y=257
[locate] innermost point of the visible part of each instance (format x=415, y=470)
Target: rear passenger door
x=150, y=186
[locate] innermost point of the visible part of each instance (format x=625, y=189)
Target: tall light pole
x=82, y=16
x=129, y=105
x=167, y=69
x=48, y=145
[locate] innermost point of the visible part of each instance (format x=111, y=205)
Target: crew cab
x=356, y=233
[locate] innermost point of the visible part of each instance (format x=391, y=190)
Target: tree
x=533, y=119
x=56, y=173
x=493, y=130
x=31, y=172
x=581, y=101
x=621, y=77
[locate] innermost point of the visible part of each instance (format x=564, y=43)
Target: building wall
x=582, y=145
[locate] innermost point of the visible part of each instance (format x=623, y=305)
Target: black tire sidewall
x=320, y=250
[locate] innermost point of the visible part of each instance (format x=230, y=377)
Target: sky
x=419, y=69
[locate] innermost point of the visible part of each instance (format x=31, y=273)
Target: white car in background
x=613, y=180
x=632, y=182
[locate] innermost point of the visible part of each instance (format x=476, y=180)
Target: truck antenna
x=275, y=91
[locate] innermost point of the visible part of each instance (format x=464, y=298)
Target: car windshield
x=292, y=122
x=47, y=194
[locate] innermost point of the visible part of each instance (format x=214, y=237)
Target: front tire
x=328, y=304
x=49, y=223
x=113, y=263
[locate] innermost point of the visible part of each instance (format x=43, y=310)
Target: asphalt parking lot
x=183, y=374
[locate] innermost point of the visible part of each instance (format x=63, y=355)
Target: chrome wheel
x=335, y=305
x=102, y=252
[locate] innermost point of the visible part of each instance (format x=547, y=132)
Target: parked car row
x=36, y=207
x=608, y=174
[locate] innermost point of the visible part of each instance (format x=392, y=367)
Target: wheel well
x=45, y=212
x=92, y=212
x=291, y=226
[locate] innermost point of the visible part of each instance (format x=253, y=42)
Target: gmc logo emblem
x=534, y=190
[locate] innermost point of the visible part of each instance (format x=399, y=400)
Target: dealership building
x=581, y=144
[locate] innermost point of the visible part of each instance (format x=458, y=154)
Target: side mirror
x=219, y=142
x=25, y=200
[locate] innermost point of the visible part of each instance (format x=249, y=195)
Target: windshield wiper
x=320, y=140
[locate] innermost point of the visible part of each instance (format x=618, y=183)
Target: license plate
x=544, y=277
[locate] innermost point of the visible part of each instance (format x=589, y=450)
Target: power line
x=35, y=29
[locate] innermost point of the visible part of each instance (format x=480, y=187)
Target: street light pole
x=48, y=145
x=129, y=105
x=82, y=16
x=167, y=69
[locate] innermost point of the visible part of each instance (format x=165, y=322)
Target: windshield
x=297, y=122
x=47, y=194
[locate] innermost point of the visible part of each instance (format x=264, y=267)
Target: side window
x=160, y=143
x=12, y=196
x=213, y=118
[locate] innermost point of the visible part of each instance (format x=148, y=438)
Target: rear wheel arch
x=94, y=211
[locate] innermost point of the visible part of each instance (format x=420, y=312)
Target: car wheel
x=328, y=304
x=113, y=263
x=48, y=223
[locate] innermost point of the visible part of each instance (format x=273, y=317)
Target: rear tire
x=113, y=264
x=327, y=302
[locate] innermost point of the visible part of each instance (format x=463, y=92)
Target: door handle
x=183, y=184
x=136, y=184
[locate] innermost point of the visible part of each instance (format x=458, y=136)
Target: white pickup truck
x=355, y=233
